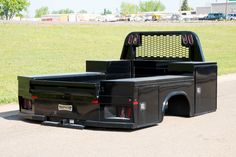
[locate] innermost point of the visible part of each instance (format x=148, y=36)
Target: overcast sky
x=97, y=6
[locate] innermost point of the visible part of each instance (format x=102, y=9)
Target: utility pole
x=226, y=8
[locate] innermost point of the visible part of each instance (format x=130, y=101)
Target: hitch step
x=66, y=125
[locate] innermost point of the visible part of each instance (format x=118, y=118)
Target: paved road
x=212, y=135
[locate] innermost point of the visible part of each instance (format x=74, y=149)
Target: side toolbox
x=205, y=74
x=131, y=101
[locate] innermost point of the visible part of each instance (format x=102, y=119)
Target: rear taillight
x=34, y=97
x=135, y=103
x=118, y=112
x=95, y=102
x=25, y=104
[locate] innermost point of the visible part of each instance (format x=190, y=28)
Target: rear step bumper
x=44, y=121
x=91, y=123
x=118, y=125
x=33, y=116
x=66, y=125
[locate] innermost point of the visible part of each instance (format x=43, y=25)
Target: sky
x=97, y=6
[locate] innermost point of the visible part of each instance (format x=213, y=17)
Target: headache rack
x=179, y=46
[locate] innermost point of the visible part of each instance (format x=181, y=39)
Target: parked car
x=148, y=18
x=130, y=18
x=231, y=16
x=156, y=17
x=176, y=17
x=139, y=19
x=214, y=16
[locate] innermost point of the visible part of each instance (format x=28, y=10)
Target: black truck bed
x=153, y=80
x=158, y=73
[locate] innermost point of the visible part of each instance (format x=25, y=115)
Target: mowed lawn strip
x=34, y=49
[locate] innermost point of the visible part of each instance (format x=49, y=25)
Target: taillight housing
x=25, y=104
x=118, y=112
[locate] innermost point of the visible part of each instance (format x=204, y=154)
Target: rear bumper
x=33, y=116
x=118, y=125
x=91, y=123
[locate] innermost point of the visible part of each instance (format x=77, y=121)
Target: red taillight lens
x=135, y=103
x=95, y=102
x=34, y=97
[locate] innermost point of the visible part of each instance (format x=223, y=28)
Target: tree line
x=45, y=10
x=143, y=6
x=148, y=6
x=12, y=8
x=125, y=8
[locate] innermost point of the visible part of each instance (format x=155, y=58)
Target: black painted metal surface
x=159, y=73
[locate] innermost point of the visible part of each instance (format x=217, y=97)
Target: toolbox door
x=205, y=89
x=148, y=105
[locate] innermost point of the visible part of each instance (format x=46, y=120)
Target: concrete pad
x=212, y=135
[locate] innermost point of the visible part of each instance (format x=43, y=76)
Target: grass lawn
x=33, y=49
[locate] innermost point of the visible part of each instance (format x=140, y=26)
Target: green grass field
x=32, y=49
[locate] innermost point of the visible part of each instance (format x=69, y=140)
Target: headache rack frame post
x=170, y=45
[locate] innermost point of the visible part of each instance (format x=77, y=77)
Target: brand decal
x=62, y=107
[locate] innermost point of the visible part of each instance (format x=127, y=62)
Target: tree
x=10, y=8
x=83, y=11
x=152, y=5
x=20, y=16
x=1, y=11
x=41, y=11
x=184, y=6
x=63, y=11
x=128, y=8
x=106, y=12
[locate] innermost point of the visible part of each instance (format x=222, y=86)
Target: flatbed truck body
x=158, y=73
